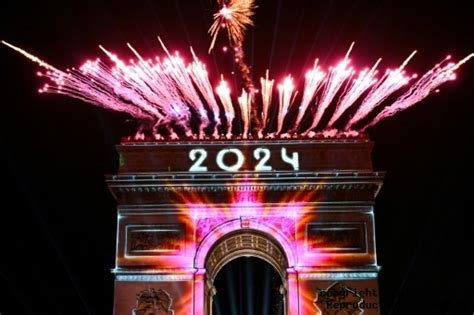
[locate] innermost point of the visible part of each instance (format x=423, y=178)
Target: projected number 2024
x=261, y=157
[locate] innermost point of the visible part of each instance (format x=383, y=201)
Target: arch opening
x=248, y=285
x=248, y=251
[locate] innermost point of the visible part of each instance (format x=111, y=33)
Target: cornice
x=248, y=177
x=245, y=182
x=144, y=188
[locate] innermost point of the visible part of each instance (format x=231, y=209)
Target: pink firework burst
x=170, y=95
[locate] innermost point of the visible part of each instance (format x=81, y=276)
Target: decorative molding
x=360, y=138
x=153, y=271
x=338, y=275
x=148, y=188
x=154, y=278
x=244, y=243
x=257, y=176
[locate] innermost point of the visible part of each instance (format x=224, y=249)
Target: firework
x=236, y=17
x=177, y=99
x=313, y=81
x=431, y=80
x=198, y=73
x=223, y=92
x=285, y=91
x=391, y=82
x=245, y=102
x=337, y=76
x=360, y=85
x=267, y=90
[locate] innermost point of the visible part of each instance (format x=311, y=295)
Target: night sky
x=58, y=220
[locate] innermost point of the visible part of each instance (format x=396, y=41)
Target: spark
x=33, y=58
x=185, y=86
x=236, y=17
x=429, y=82
x=172, y=98
x=365, y=80
x=245, y=102
x=286, y=97
x=313, y=81
x=223, y=92
x=337, y=76
x=197, y=71
x=152, y=87
x=392, y=81
x=267, y=90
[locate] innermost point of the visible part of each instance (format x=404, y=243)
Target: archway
x=245, y=243
x=248, y=285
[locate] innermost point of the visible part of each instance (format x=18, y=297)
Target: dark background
x=257, y=290
x=57, y=223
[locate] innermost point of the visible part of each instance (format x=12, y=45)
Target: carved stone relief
x=153, y=302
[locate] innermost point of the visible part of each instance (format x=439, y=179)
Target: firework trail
x=75, y=83
x=365, y=80
x=198, y=73
x=267, y=90
x=33, y=58
x=149, y=86
x=431, y=80
x=285, y=91
x=313, y=81
x=149, y=91
x=245, y=102
x=185, y=86
x=236, y=17
x=165, y=94
x=336, y=78
x=223, y=92
x=136, y=91
x=391, y=82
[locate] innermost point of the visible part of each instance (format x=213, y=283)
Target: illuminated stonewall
x=185, y=209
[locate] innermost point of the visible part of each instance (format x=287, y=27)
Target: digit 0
x=230, y=168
